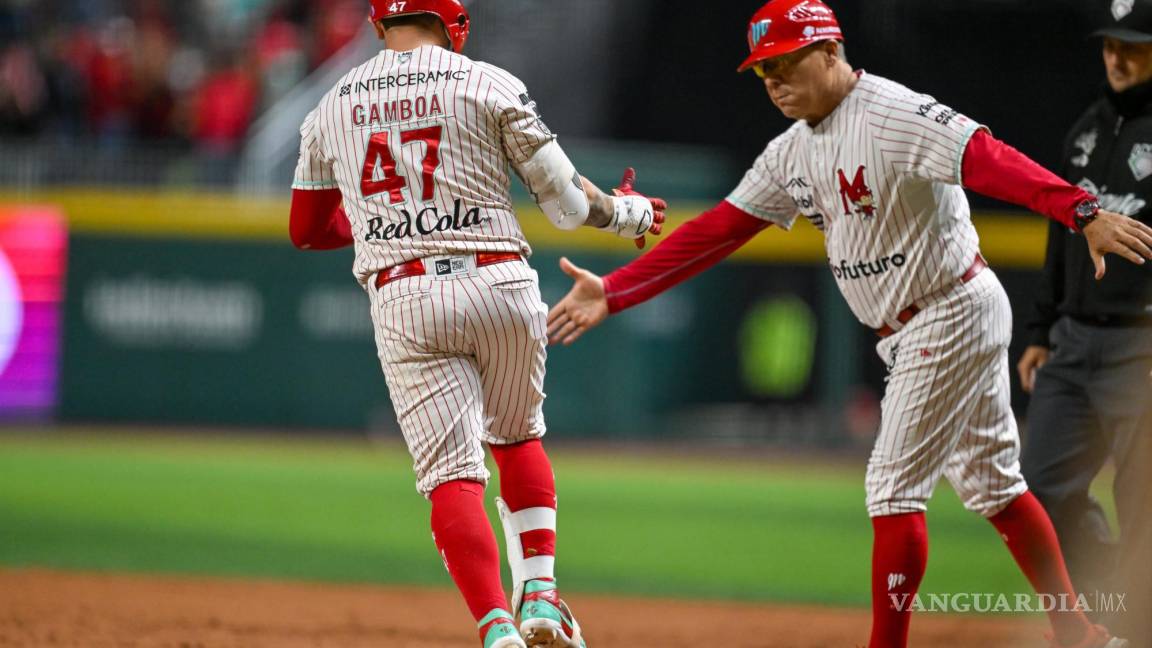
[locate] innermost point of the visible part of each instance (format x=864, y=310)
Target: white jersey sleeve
x=314, y=170
x=925, y=138
x=762, y=193
x=521, y=129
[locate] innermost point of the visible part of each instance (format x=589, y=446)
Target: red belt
x=416, y=267
x=978, y=264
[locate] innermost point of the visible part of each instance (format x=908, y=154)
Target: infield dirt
x=49, y=609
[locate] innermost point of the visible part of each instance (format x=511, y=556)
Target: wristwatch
x=1086, y=213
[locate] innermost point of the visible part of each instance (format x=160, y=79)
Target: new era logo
x=450, y=266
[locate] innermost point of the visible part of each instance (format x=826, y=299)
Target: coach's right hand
x=584, y=307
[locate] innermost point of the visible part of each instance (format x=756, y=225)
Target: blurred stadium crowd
x=192, y=75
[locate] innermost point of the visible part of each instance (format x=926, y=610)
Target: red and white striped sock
x=528, y=487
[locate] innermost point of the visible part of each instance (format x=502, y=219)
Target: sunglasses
x=781, y=65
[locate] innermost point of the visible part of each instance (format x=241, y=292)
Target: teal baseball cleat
x=497, y=630
x=545, y=620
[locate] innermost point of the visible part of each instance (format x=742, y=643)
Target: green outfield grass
x=682, y=527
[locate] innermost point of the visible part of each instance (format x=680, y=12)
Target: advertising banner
x=257, y=333
x=33, y=248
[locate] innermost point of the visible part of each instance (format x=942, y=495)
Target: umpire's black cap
x=1129, y=21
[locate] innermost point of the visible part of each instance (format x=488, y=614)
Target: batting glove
x=634, y=214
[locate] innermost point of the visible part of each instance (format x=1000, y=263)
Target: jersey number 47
x=380, y=156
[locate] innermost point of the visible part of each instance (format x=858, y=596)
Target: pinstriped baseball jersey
x=419, y=144
x=880, y=176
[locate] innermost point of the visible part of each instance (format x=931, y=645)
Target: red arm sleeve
x=694, y=247
x=318, y=221
x=999, y=171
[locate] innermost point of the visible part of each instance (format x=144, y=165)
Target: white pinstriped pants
x=947, y=408
x=464, y=359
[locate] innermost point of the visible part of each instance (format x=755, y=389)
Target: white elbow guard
x=557, y=188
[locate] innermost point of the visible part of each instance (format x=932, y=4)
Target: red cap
x=450, y=12
x=784, y=26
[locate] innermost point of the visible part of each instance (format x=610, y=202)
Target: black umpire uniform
x=1092, y=399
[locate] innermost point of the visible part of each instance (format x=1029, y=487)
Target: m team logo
x=856, y=195
x=758, y=31
x=1140, y=161
x=1121, y=8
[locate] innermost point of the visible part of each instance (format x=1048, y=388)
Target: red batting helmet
x=784, y=26
x=450, y=12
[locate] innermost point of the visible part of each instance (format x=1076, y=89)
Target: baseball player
x=407, y=158
x=879, y=169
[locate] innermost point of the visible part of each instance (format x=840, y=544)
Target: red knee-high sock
x=464, y=537
x=899, y=558
x=527, y=481
x=1027, y=530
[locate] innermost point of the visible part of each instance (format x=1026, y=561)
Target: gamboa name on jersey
x=428, y=220
x=397, y=110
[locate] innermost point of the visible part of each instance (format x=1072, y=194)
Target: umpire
x=1090, y=342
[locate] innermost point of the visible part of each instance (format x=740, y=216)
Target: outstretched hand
x=659, y=206
x=584, y=307
x=1118, y=234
